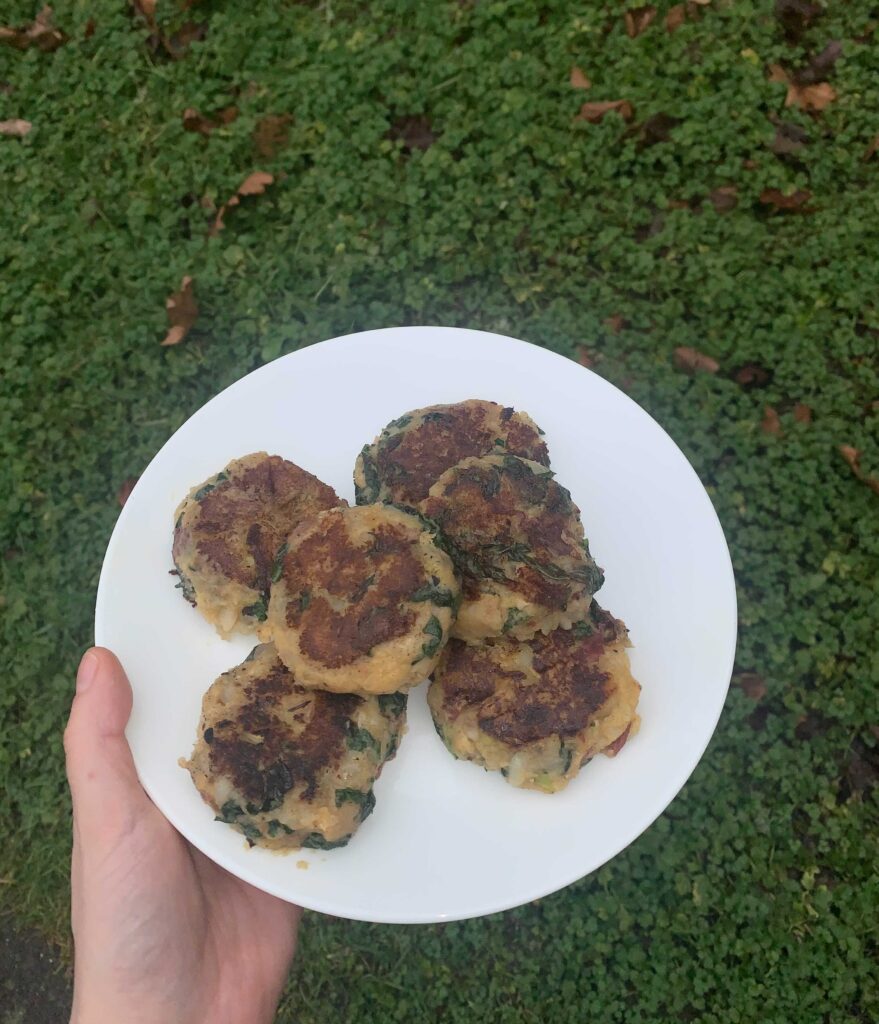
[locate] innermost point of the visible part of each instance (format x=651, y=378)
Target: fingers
x=106, y=792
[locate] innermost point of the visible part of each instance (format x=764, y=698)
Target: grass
x=755, y=896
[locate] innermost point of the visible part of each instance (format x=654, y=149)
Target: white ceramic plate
x=447, y=840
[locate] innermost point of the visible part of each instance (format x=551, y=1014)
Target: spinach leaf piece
x=393, y=703
x=315, y=841
x=361, y=739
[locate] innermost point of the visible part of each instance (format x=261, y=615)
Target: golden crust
x=363, y=602
x=538, y=710
x=228, y=530
x=413, y=451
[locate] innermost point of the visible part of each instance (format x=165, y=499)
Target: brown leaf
x=802, y=413
x=594, y=112
x=616, y=323
x=579, y=80
x=125, y=489
x=585, y=357
x=810, y=97
x=253, y=185
x=146, y=9
x=724, y=198
x=16, y=128
x=176, y=45
x=271, y=134
x=789, y=138
x=193, y=121
x=796, y=16
x=819, y=67
x=638, y=20
x=806, y=96
x=752, y=685
x=796, y=201
x=676, y=16
x=770, y=424
x=89, y=29
x=853, y=457
x=871, y=149
x=656, y=129
x=691, y=360
x=41, y=32
x=752, y=375
x=414, y=131
x=182, y=312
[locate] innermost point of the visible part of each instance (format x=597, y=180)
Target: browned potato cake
x=412, y=452
x=286, y=766
x=516, y=537
x=538, y=711
x=363, y=602
x=228, y=531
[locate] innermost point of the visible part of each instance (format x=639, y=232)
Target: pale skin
x=161, y=933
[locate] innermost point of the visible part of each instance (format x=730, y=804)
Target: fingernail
x=88, y=668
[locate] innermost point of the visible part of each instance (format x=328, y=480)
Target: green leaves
x=393, y=703
x=434, y=630
x=361, y=739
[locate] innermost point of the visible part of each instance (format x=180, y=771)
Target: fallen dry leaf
x=16, y=128
x=125, y=489
x=724, y=198
x=594, y=112
x=795, y=201
x=810, y=97
x=656, y=129
x=871, y=149
x=676, y=16
x=853, y=457
x=182, y=312
x=89, y=29
x=193, y=121
x=175, y=45
x=691, y=360
x=789, y=138
x=146, y=9
x=752, y=375
x=579, y=80
x=638, y=20
x=585, y=357
x=253, y=185
x=271, y=134
x=817, y=68
x=41, y=32
x=796, y=16
x=770, y=424
x=414, y=131
x=752, y=685
x=616, y=323
x=806, y=96
x=802, y=413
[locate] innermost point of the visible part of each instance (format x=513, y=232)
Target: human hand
x=161, y=934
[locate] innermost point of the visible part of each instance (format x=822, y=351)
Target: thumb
x=107, y=795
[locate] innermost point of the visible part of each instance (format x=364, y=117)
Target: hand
x=162, y=934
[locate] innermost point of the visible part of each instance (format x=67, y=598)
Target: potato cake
x=538, y=711
x=413, y=451
x=363, y=601
x=228, y=531
x=515, y=536
x=286, y=766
